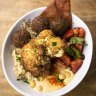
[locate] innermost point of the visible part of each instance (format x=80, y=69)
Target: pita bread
x=58, y=9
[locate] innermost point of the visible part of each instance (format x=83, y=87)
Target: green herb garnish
x=26, y=81
x=18, y=58
x=57, y=77
x=58, y=80
x=38, y=78
x=54, y=43
x=18, y=79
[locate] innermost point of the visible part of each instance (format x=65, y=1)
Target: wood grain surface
x=11, y=10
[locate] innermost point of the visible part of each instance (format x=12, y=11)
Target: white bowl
x=8, y=63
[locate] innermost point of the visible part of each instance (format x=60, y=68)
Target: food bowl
x=8, y=62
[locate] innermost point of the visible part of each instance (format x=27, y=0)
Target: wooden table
x=11, y=10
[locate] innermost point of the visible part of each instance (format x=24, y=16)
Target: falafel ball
x=59, y=26
x=21, y=37
x=34, y=60
x=40, y=23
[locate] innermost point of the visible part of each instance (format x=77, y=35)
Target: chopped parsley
x=58, y=80
x=26, y=81
x=18, y=58
x=18, y=79
x=38, y=78
x=54, y=43
x=57, y=77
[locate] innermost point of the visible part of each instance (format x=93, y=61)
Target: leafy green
x=77, y=40
x=73, y=52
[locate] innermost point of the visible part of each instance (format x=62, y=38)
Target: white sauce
x=47, y=86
